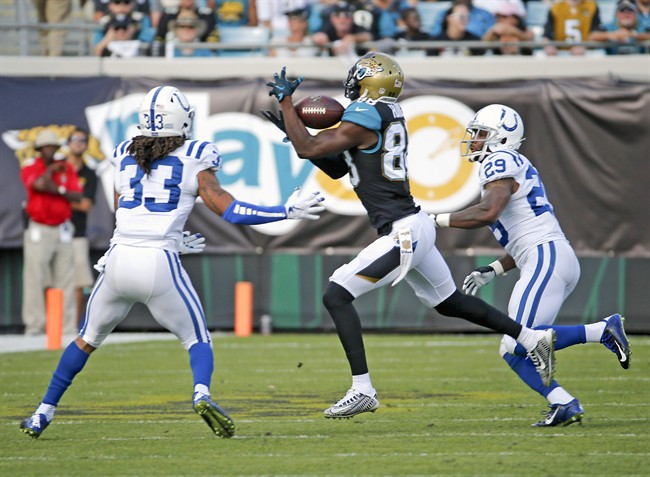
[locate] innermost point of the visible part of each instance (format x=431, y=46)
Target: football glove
x=191, y=243
x=479, y=277
x=101, y=263
x=305, y=208
x=277, y=120
x=281, y=86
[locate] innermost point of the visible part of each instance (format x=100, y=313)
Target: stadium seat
x=429, y=12
x=245, y=35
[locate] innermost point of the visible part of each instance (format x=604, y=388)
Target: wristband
x=497, y=267
x=442, y=220
x=252, y=214
x=61, y=190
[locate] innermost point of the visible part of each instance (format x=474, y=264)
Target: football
x=319, y=111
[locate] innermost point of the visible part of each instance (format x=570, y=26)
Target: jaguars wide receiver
x=371, y=146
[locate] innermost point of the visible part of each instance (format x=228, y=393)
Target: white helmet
x=497, y=127
x=165, y=112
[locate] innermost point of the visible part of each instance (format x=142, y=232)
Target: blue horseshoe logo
x=510, y=129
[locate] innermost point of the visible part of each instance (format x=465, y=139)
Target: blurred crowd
x=181, y=28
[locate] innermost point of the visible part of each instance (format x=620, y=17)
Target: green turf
x=450, y=406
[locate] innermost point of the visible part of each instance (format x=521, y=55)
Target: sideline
x=22, y=343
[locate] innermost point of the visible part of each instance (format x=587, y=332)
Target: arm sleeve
x=251, y=214
x=333, y=166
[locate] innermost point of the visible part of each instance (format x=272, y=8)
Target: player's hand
x=281, y=87
x=277, y=120
x=304, y=208
x=191, y=243
x=479, y=277
x=101, y=263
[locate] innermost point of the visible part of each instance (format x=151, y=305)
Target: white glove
x=305, y=208
x=479, y=277
x=191, y=243
x=101, y=263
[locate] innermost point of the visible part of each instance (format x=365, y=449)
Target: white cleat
x=353, y=403
x=543, y=355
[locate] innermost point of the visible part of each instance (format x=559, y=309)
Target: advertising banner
x=589, y=139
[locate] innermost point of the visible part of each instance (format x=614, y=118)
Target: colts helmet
x=498, y=127
x=375, y=76
x=165, y=112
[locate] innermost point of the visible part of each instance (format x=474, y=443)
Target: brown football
x=319, y=111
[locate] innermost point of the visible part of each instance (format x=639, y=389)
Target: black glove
x=281, y=86
x=277, y=120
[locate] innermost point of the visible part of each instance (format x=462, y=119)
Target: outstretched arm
x=232, y=210
x=485, y=212
x=329, y=142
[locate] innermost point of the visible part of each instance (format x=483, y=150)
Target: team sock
x=527, y=339
x=526, y=371
x=47, y=409
x=72, y=361
x=594, y=331
x=362, y=383
x=559, y=396
x=202, y=364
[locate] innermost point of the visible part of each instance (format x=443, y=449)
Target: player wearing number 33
x=158, y=177
x=515, y=206
x=371, y=145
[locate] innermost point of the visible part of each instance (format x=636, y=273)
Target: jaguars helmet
x=494, y=128
x=375, y=76
x=165, y=112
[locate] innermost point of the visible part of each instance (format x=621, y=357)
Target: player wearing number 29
x=158, y=177
x=371, y=145
x=515, y=206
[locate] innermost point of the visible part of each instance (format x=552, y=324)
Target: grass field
x=449, y=407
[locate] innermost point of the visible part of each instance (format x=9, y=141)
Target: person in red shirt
x=51, y=184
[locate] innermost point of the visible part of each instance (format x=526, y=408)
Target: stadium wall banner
x=587, y=137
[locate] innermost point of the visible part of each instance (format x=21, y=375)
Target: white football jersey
x=528, y=219
x=152, y=209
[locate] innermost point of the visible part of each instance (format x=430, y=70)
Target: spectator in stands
x=234, y=13
x=340, y=29
x=394, y=9
x=273, y=15
x=123, y=23
x=159, y=6
x=479, y=22
x=493, y=5
x=510, y=28
x=51, y=185
x=298, y=34
x=379, y=22
x=412, y=31
x=102, y=7
x=207, y=27
x=571, y=21
x=120, y=39
x=188, y=28
x=454, y=28
x=626, y=30
x=52, y=11
x=77, y=147
x=643, y=7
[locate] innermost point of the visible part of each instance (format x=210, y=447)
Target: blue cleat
x=35, y=425
x=218, y=419
x=615, y=340
x=562, y=415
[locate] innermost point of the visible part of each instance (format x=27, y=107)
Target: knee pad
x=507, y=346
x=335, y=295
